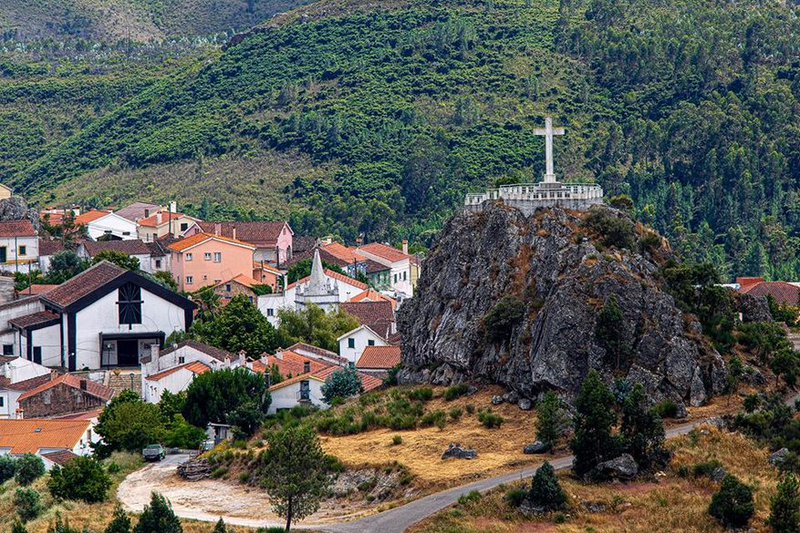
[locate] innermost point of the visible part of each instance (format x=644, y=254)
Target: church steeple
x=318, y=280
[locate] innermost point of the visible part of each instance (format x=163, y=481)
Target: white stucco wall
x=362, y=336
x=115, y=225
x=10, y=403
x=103, y=317
x=175, y=383
x=49, y=339
x=289, y=396
x=12, y=246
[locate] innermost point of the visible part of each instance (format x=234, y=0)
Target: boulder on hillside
x=456, y=451
x=622, y=468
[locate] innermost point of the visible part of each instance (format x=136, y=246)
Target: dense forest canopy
x=386, y=115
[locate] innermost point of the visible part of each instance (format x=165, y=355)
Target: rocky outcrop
x=515, y=300
x=15, y=208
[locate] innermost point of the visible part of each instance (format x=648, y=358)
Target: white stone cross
x=548, y=132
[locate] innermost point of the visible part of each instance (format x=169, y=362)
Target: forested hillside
x=386, y=113
x=138, y=20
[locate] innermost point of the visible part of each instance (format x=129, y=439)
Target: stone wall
x=59, y=400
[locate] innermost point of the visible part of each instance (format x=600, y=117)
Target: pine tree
x=593, y=441
x=642, y=430
x=785, y=507
x=19, y=527
x=220, y=527
x=546, y=491
x=733, y=504
x=120, y=523
x=158, y=517
x=551, y=419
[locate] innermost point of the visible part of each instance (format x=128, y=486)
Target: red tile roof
x=262, y=234
x=241, y=279
x=194, y=240
x=50, y=247
x=316, y=350
x=784, y=293
x=35, y=319
x=136, y=210
x=380, y=357
x=385, y=252
x=335, y=275
x=90, y=216
x=379, y=316
x=61, y=457
x=369, y=382
x=343, y=253
x=152, y=220
x=17, y=228
x=25, y=385
x=84, y=284
x=217, y=353
x=195, y=367
x=748, y=283
x=130, y=247
x=31, y=435
x=71, y=380
x=371, y=295
x=37, y=289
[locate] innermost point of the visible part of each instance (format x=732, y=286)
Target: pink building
x=204, y=259
x=273, y=240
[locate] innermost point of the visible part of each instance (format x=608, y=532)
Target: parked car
x=154, y=452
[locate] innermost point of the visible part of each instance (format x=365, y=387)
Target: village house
x=379, y=360
x=317, y=353
x=238, y=285
x=64, y=395
x=353, y=343
x=204, y=260
x=106, y=225
x=18, y=376
x=44, y=437
x=173, y=369
x=19, y=245
x=404, y=268
x=782, y=292
x=306, y=389
x=379, y=316
x=106, y=316
x=139, y=210
x=268, y=275
x=47, y=249
x=272, y=240
x=163, y=224
x=24, y=305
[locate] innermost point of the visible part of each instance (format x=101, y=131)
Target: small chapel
x=527, y=197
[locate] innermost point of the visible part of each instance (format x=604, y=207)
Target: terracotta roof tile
x=379, y=316
x=17, y=228
x=84, y=284
x=61, y=457
x=337, y=276
x=371, y=295
x=35, y=319
x=37, y=289
x=241, y=279
x=784, y=293
x=342, y=252
x=217, y=353
x=259, y=233
x=90, y=216
x=316, y=351
x=195, y=367
x=136, y=210
x=152, y=220
x=369, y=382
x=50, y=247
x=130, y=247
x=71, y=380
x=194, y=240
x=25, y=385
x=380, y=357
x=31, y=435
x=384, y=251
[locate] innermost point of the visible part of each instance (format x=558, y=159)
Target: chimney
x=242, y=358
x=405, y=246
x=173, y=207
x=158, y=218
x=53, y=374
x=306, y=367
x=217, y=228
x=83, y=384
x=359, y=240
x=233, y=232
x=155, y=353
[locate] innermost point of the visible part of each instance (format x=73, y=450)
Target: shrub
x=470, y=409
x=471, y=497
x=785, y=506
x=422, y=394
x=18, y=527
x=28, y=504
x=8, y=467
x=666, y=409
x=158, y=517
x=456, y=391
x=501, y=319
x=706, y=468
x=29, y=468
x=546, y=491
x=83, y=478
x=515, y=497
x=456, y=412
x=436, y=418
x=342, y=384
x=614, y=231
x=490, y=420
x=752, y=402
x=397, y=440
x=733, y=505
x=121, y=523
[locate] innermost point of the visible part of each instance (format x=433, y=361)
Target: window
x=23, y=250
x=270, y=312
x=404, y=275
x=8, y=349
x=207, y=256
x=126, y=232
x=351, y=342
x=189, y=280
x=2, y=401
x=217, y=257
x=228, y=287
x=189, y=256
x=395, y=278
x=370, y=342
x=184, y=226
x=130, y=304
x=158, y=263
x=181, y=360
x=205, y=277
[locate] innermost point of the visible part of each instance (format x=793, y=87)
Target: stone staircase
x=124, y=379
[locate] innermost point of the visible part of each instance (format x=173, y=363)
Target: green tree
x=179, y=433
x=65, y=265
x=120, y=259
x=83, y=478
x=612, y=335
x=158, y=517
x=128, y=424
x=546, y=491
x=314, y=326
x=28, y=504
x=29, y=468
x=295, y=473
x=8, y=467
x=302, y=269
x=786, y=364
x=239, y=326
x=165, y=278
x=785, y=506
x=733, y=504
x=342, y=384
x=220, y=527
x=19, y=527
x=593, y=442
x=214, y=396
x=642, y=430
x=551, y=420
x=121, y=523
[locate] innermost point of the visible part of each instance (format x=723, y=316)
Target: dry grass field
x=668, y=503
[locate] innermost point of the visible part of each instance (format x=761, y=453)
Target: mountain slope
x=690, y=107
